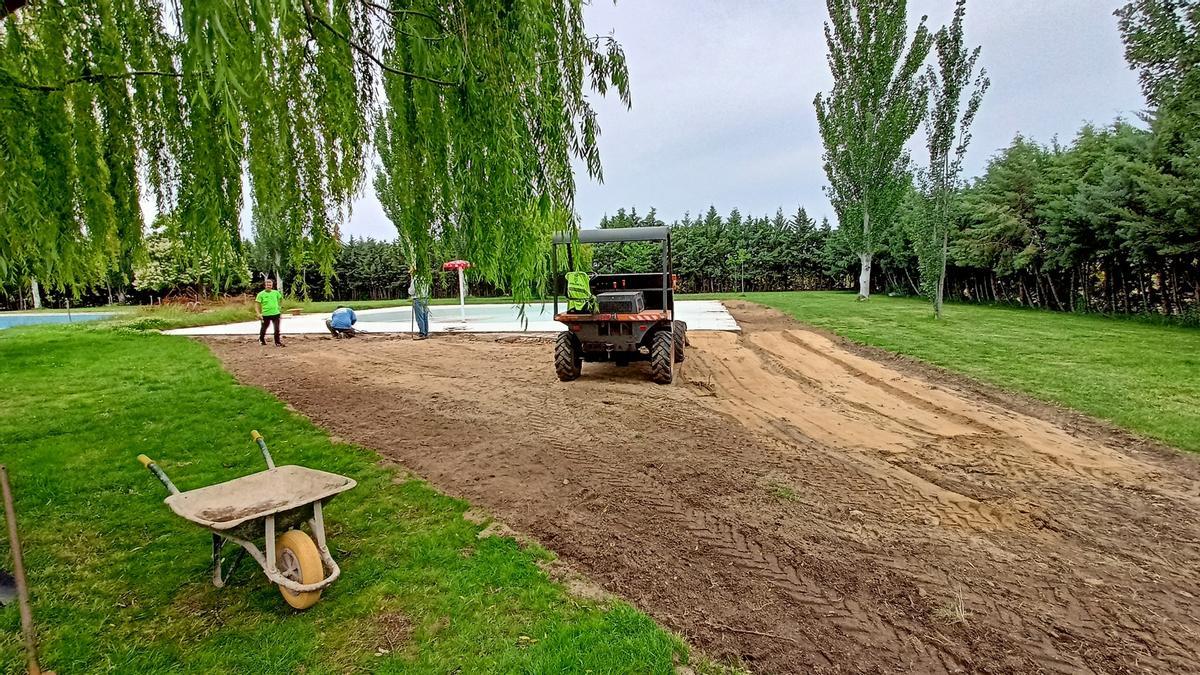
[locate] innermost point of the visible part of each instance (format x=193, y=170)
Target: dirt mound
x=791, y=502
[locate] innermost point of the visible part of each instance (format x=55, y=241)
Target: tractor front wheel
x=662, y=357
x=568, y=362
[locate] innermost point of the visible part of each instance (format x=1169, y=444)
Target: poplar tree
x=876, y=104
x=948, y=134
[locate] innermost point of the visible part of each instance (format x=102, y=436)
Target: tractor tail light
x=576, y=328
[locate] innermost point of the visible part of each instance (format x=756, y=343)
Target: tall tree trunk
x=36, y=289
x=1164, y=279
x=941, y=287
x=864, y=274
x=278, y=265
x=1141, y=277
x=1071, y=290
x=1086, y=283
x=1175, y=288
x=1053, y=293
x=1110, y=288
x=1125, y=290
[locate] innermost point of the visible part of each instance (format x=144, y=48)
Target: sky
x=723, y=99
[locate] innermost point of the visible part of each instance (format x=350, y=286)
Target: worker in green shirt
x=268, y=305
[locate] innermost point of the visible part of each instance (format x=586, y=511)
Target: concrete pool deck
x=699, y=315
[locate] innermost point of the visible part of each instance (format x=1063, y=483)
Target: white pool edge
x=702, y=315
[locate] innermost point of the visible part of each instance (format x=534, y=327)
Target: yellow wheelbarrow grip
x=158, y=473
x=262, y=445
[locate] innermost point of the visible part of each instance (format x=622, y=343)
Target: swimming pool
x=699, y=315
x=29, y=319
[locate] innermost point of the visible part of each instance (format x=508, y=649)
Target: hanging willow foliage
x=104, y=102
x=486, y=163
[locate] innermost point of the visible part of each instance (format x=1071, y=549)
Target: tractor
x=619, y=318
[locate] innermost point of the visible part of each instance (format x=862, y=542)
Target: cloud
x=722, y=98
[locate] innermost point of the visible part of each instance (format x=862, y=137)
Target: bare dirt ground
x=793, y=502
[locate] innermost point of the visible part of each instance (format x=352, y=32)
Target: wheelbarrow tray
x=227, y=505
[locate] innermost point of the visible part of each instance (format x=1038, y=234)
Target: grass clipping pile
x=795, y=504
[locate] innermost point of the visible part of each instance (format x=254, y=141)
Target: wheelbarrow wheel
x=297, y=558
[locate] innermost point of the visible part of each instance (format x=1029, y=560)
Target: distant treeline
x=1110, y=223
x=721, y=254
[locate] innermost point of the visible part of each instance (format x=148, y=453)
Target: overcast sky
x=722, y=98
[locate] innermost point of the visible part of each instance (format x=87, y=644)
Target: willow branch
x=402, y=12
x=90, y=78
x=311, y=16
x=590, y=44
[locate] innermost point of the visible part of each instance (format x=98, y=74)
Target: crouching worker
x=341, y=323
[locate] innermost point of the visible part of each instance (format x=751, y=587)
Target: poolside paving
x=703, y=315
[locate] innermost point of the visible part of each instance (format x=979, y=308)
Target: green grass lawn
x=121, y=584
x=1140, y=375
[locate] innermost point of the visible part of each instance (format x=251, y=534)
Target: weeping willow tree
x=480, y=155
x=106, y=103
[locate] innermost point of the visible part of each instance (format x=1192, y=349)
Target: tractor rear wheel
x=568, y=362
x=679, y=333
x=662, y=358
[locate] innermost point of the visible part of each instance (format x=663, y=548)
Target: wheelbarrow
x=257, y=506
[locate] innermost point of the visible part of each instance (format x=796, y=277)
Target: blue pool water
x=10, y=320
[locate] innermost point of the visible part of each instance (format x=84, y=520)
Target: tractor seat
x=579, y=294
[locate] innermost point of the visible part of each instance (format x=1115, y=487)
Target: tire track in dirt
x=746, y=553
x=790, y=503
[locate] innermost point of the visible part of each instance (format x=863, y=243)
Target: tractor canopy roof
x=615, y=234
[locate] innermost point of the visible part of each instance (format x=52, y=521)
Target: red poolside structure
x=459, y=266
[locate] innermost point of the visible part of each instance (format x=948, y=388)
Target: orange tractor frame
x=629, y=316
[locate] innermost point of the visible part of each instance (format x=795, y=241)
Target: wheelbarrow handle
x=158, y=473
x=262, y=445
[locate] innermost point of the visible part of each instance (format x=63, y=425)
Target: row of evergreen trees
x=1109, y=223
x=1106, y=223
x=721, y=254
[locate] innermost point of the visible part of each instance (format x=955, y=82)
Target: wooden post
x=19, y=573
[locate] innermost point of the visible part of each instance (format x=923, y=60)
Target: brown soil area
x=791, y=501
